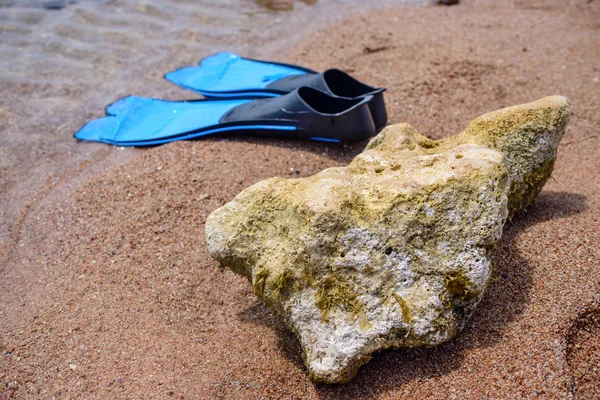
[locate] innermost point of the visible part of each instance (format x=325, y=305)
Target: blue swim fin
x=227, y=75
x=304, y=113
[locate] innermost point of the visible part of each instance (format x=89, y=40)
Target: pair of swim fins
x=246, y=96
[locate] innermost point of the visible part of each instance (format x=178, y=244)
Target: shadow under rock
x=504, y=300
x=287, y=343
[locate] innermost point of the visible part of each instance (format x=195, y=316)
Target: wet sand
x=107, y=289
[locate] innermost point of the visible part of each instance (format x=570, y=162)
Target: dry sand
x=109, y=291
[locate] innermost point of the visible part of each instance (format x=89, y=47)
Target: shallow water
x=63, y=61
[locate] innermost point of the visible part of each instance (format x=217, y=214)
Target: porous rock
x=395, y=248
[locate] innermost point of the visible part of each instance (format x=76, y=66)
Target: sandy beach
x=107, y=289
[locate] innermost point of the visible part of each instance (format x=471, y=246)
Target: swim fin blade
x=226, y=74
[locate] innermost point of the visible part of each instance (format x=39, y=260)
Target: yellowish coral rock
x=393, y=249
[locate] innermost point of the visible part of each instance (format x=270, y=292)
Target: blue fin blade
x=211, y=131
x=137, y=119
x=226, y=73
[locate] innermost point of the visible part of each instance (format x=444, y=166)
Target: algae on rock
x=395, y=248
